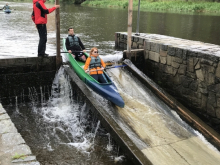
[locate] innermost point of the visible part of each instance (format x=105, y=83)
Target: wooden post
x=138, y=19
x=58, y=57
x=130, y=8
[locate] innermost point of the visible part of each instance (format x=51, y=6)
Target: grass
x=159, y=5
x=19, y=156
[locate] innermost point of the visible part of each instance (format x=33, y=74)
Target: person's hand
x=69, y=51
x=57, y=6
x=87, y=70
x=102, y=68
x=84, y=50
x=73, y=55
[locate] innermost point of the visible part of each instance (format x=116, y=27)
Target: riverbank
x=159, y=6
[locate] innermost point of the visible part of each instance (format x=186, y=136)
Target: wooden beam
x=58, y=57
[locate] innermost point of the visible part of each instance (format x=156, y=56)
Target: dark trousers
x=99, y=78
x=42, y=30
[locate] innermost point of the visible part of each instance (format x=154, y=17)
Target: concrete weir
x=18, y=77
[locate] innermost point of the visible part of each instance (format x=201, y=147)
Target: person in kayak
x=39, y=17
x=75, y=46
x=6, y=7
x=95, y=66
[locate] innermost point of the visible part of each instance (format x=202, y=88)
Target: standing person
x=95, y=65
x=75, y=46
x=39, y=17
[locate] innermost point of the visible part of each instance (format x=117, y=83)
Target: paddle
x=108, y=68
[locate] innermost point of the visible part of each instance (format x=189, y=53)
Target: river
x=97, y=26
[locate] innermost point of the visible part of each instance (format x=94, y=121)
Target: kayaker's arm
x=86, y=67
x=81, y=44
x=103, y=63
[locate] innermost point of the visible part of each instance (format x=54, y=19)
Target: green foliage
x=162, y=5
x=19, y=156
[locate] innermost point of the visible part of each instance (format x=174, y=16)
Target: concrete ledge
x=211, y=135
x=13, y=149
x=130, y=149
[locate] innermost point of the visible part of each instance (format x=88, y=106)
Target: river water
x=97, y=27
x=57, y=130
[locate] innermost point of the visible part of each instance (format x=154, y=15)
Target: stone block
x=169, y=60
x=218, y=102
x=210, y=78
x=217, y=72
x=28, y=159
x=207, y=62
x=190, y=65
x=4, y=116
x=212, y=99
x=211, y=110
x=208, y=56
x=184, y=62
x=184, y=54
x=170, y=70
x=203, y=90
x=163, y=53
x=182, y=69
x=171, y=51
x=2, y=110
x=11, y=139
x=218, y=113
x=155, y=47
x=186, y=82
x=175, y=65
x=146, y=54
x=204, y=102
x=191, y=75
x=154, y=56
x=7, y=127
x=192, y=53
x=178, y=60
x=147, y=45
x=200, y=75
x=195, y=61
x=207, y=68
x=194, y=85
x=163, y=60
x=198, y=66
x=164, y=47
x=179, y=53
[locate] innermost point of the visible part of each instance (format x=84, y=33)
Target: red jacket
x=39, y=15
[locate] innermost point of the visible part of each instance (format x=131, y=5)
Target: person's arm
x=44, y=9
x=33, y=17
x=103, y=63
x=81, y=44
x=87, y=63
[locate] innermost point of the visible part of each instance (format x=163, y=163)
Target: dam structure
x=154, y=127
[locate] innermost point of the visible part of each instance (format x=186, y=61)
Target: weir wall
x=20, y=77
x=187, y=70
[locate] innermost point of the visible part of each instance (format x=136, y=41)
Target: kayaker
x=6, y=7
x=39, y=17
x=75, y=46
x=95, y=65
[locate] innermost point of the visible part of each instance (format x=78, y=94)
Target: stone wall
x=20, y=76
x=188, y=70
